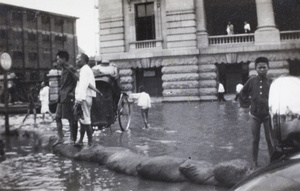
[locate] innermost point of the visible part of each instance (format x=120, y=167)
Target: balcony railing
x=231, y=39
x=146, y=44
x=289, y=35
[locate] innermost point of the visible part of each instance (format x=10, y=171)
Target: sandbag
x=66, y=150
x=200, y=172
x=162, y=168
x=125, y=162
x=98, y=154
x=46, y=141
x=89, y=154
x=231, y=172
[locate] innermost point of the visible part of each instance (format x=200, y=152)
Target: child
x=44, y=98
x=33, y=104
x=144, y=102
x=256, y=91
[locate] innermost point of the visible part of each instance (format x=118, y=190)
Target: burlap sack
x=125, y=162
x=98, y=154
x=231, y=172
x=162, y=168
x=200, y=172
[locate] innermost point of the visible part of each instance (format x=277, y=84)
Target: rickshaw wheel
x=124, y=113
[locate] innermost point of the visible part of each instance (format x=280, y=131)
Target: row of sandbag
x=160, y=168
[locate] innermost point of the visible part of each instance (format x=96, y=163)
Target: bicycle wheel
x=124, y=113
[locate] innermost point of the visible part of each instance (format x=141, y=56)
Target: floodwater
x=209, y=131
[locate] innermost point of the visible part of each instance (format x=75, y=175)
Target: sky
x=86, y=25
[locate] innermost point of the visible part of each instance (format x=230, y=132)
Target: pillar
x=266, y=32
x=202, y=37
x=54, y=78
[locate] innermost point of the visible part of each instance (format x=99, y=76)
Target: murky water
x=209, y=131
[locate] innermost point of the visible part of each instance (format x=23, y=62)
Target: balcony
x=289, y=36
x=146, y=44
x=285, y=37
x=231, y=39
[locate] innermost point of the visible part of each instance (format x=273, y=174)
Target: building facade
x=33, y=38
x=179, y=50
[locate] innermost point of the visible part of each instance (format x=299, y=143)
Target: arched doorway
x=232, y=74
x=150, y=78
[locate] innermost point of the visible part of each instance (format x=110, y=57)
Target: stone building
x=32, y=38
x=179, y=50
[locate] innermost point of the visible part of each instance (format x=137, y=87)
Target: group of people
x=78, y=90
x=230, y=28
x=75, y=96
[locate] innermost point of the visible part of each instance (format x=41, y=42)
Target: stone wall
x=180, y=79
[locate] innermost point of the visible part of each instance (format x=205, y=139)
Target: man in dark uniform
x=66, y=97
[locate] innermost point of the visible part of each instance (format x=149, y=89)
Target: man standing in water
x=257, y=88
x=84, y=96
x=66, y=97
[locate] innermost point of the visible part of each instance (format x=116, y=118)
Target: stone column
x=126, y=11
x=266, y=32
x=202, y=37
x=54, y=78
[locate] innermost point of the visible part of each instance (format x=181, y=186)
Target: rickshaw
x=110, y=105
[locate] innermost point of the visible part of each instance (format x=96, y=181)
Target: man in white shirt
x=84, y=96
x=247, y=27
x=221, y=92
x=238, y=89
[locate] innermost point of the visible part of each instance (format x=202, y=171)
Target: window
x=45, y=19
x=145, y=21
x=31, y=16
x=17, y=55
x=2, y=34
x=60, y=38
x=32, y=56
x=17, y=35
x=46, y=37
x=17, y=15
x=31, y=36
x=59, y=21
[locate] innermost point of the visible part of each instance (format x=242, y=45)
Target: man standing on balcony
x=247, y=27
x=255, y=94
x=230, y=29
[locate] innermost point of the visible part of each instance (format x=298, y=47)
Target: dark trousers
x=221, y=97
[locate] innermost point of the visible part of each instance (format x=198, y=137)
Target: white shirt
x=86, y=77
x=44, y=94
x=143, y=99
x=107, y=69
x=221, y=88
x=238, y=88
x=247, y=27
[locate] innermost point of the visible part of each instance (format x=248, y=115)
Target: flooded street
x=209, y=131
